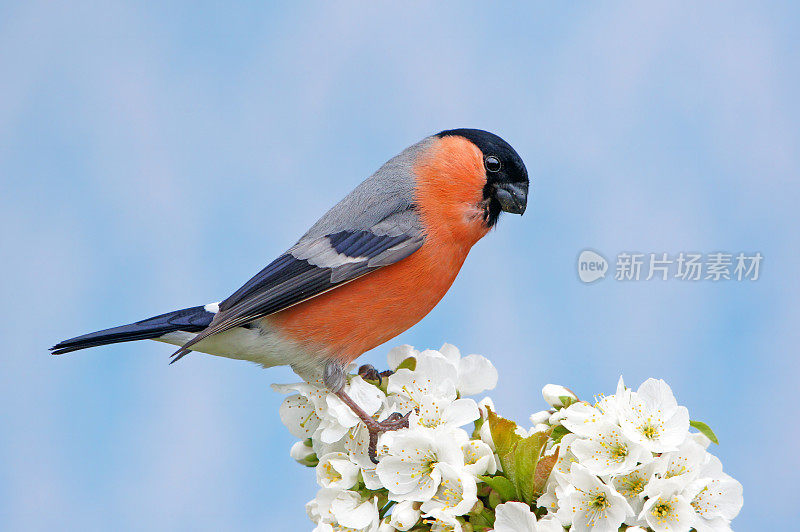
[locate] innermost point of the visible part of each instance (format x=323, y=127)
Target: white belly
x=261, y=345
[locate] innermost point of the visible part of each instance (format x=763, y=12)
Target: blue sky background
x=155, y=157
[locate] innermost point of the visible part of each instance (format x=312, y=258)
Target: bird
x=369, y=269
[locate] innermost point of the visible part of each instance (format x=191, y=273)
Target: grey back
x=388, y=191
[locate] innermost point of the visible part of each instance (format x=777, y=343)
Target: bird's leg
x=334, y=378
x=375, y=428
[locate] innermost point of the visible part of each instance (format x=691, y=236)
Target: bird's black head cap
x=506, y=176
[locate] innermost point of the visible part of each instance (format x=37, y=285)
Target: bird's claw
x=395, y=421
x=369, y=373
x=397, y=416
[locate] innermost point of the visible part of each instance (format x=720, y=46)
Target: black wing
x=313, y=266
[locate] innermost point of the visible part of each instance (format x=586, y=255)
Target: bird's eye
x=492, y=163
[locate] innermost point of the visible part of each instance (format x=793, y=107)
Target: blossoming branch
x=627, y=462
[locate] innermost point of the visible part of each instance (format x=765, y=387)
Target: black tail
x=193, y=319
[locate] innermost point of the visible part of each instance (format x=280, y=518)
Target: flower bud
x=540, y=417
x=405, y=515
x=558, y=396
x=539, y=427
x=303, y=454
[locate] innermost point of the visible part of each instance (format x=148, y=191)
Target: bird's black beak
x=513, y=197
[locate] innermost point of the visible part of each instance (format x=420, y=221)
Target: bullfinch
x=370, y=268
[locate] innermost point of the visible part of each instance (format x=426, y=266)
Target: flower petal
x=476, y=374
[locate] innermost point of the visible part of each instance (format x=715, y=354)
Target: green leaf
x=505, y=440
x=503, y=432
x=494, y=499
x=526, y=458
x=705, y=430
x=477, y=430
x=482, y=521
x=504, y=488
x=409, y=363
x=518, y=456
x=559, y=432
x=309, y=461
x=566, y=400
x=488, y=516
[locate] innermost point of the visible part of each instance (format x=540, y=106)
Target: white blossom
x=668, y=511
x=715, y=497
x=478, y=458
x=582, y=418
x=476, y=373
x=315, y=412
x=433, y=378
x=335, y=510
x=678, y=468
x=608, y=452
x=455, y=495
x=371, y=479
x=515, y=516
x=549, y=499
x=297, y=412
x=338, y=418
x=411, y=468
x=558, y=484
x=652, y=417
x=549, y=524
x=592, y=504
x=565, y=455
x=440, y=411
x=557, y=417
x=632, y=486
x=335, y=470
x=471, y=374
